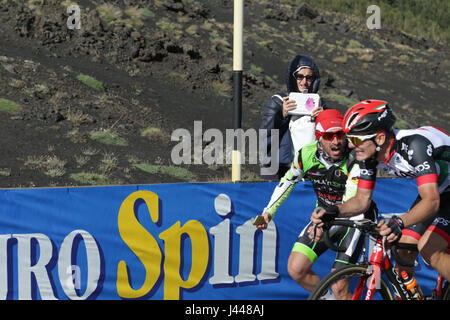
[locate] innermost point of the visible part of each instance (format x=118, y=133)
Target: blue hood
x=298, y=61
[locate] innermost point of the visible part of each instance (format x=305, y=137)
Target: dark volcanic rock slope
x=98, y=105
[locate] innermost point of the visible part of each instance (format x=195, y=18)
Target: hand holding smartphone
x=306, y=102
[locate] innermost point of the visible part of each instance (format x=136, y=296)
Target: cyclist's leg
x=351, y=242
x=433, y=247
x=299, y=268
x=434, y=244
x=411, y=235
x=303, y=255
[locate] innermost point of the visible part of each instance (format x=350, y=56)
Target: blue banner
x=190, y=241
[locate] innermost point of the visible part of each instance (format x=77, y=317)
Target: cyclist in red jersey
x=421, y=153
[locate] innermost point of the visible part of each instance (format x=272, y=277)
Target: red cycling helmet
x=368, y=117
x=329, y=120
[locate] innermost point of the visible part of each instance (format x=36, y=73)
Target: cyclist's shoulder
x=308, y=151
x=416, y=138
x=306, y=156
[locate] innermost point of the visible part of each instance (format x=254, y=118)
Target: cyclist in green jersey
x=334, y=174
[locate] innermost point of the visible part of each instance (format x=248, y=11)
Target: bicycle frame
x=377, y=260
x=380, y=261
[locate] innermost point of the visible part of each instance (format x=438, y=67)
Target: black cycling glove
x=396, y=225
x=331, y=213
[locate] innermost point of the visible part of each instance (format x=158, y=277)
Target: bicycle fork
x=379, y=260
x=376, y=260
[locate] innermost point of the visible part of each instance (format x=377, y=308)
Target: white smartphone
x=306, y=102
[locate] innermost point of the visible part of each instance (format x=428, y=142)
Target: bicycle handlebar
x=367, y=226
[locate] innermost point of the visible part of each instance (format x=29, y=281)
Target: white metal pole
x=238, y=30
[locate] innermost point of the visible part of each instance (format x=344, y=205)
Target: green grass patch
x=147, y=13
x=90, y=178
x=419, y=18
x=173, y=171
x=150, y=131
x=52, y=165
x=222, y=88
x=168, y=25
x=55, y=167
x=9, y=106
x=5, y=172
x=108, y=137
x=149, y=168
x=91, y=82
x=109, y=13
x=343, y=100
x=354, y=44
x=400, y=123
x=155, y=133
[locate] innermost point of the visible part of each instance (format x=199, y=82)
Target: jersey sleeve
x=285, y=186
x=419, y=153
x=367, y=174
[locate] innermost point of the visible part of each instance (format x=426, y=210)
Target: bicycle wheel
x=357, y=277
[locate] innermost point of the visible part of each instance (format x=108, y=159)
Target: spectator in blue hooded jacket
x=302, y=75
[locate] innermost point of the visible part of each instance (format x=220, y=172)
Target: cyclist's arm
x=421, y=159
x=284, y=187
x=356, y=205
x=282, y=190
x=419, y=151
x=426, y=207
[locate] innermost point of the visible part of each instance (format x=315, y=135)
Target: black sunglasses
x=301, y=77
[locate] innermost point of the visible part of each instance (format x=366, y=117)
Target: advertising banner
x=192, y=241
